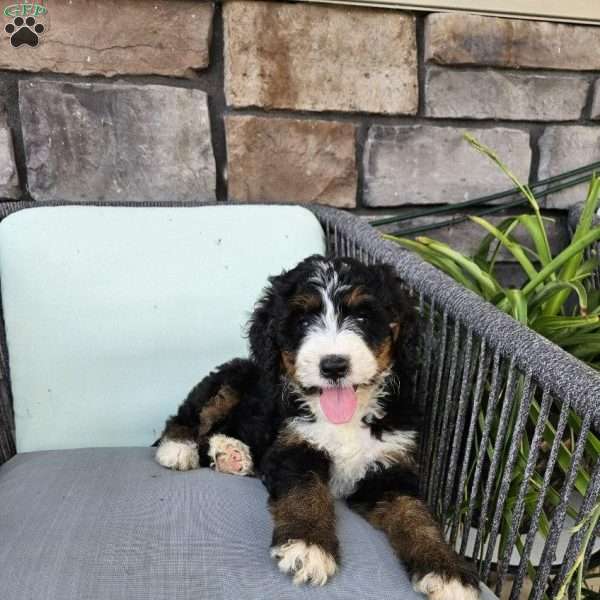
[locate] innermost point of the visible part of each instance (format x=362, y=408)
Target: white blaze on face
x=328, y=336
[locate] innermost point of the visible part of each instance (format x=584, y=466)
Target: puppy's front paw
x=179, y=455
x=230, y=455
x=438, y=587
x=308, y=563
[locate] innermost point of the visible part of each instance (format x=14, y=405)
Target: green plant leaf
x=488, y=284
x=558, y=261
x=518, y=304
x=550, y=289
x=538, y=236
x=524, y=189
x=587, y=267
x=584, y=228
x=443, y=263
x=589, y=210
x=483, y=249
x=557, y=323
x=575, y=339
x=514, y=248
x=586, y=351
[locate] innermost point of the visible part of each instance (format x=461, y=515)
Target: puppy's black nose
x=334, y=366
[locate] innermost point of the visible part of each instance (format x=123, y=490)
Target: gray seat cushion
x=110, y=524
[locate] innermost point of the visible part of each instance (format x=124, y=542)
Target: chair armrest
x=487, y=385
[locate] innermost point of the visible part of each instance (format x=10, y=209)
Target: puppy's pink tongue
x=338, y=404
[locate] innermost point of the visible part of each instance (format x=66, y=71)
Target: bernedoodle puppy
x=319, y=412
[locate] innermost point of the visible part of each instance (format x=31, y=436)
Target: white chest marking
x=353, y=450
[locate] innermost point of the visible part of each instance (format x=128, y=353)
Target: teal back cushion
x=112, y=314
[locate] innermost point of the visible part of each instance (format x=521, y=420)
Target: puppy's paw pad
x=437, y=587
x=178, y=455
x=229, y=455
x=308, y=563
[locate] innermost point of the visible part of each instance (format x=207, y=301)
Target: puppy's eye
x=304, y=323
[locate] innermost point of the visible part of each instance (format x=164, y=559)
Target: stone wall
x=354, y=107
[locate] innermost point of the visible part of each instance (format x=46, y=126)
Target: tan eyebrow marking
x=357, y=296
x=306, y=301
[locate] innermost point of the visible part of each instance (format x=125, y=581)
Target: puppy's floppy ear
x=269, y=314
x=403, y=316
x=262, y=332
x=404, y=325
x=266, y=322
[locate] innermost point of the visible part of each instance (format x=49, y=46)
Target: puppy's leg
x=304, y=542
x=178, y=447
x=389, y=500
x=184, y=443
x=436, y=569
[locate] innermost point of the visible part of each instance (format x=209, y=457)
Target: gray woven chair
x=109, y=523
